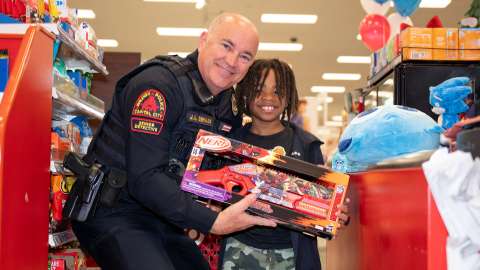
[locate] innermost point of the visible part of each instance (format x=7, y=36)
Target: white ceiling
x=133, y=23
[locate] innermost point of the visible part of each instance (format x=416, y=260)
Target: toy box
x=300, y=195
x=415, y=37
x=469, y=38
x=417, y=54
x=445, y=55
x=469, y=55
x=445, y=38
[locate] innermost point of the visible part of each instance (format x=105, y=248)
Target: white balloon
x=395, y=20
x=370, y=6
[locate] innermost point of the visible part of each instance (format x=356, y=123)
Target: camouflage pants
x=238, y=256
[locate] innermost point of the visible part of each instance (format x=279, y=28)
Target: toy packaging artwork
x=300, y=195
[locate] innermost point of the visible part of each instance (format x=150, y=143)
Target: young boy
x=268, y=95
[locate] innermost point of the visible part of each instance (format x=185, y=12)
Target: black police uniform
x=156, y=111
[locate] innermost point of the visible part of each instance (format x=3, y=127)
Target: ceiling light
x=199, y=4
x=354, y=59
x=431, y=3
x=434, y=3
x=181, y=54
x=107, y=43
x=333, y=124
x=337, y=118
x=341, y=76
x=388, y=82
x=327, y=89
x=358, y=37
x=85, y=14
x=329, y=99
x=267, y=46
x=172, y=1
x=180, y=31
x=289, y=18
x=385, y=94
x=319, y=108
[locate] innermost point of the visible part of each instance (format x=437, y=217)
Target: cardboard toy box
x=303, y=196
x=417, y=54
x=415, y=37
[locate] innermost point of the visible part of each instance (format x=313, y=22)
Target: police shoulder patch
x=150, y=104
x=144, y=125
x=148, y=113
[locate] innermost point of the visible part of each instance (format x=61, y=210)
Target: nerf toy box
x=299, y=195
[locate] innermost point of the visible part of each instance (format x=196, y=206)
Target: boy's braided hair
x=249, y=88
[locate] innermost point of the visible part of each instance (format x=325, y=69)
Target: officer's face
x=226, y=53
x=267, y=105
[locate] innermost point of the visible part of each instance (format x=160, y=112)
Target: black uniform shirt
x=149, y=106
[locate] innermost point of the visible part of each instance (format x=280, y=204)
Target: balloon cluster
x=375, y=29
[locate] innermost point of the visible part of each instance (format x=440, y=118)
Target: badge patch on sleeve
x=147, y=126
x=150, y=104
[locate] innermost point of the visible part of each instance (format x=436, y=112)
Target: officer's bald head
x=227, y=50
x=227, y=19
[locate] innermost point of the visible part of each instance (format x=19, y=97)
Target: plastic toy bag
x=384, y=132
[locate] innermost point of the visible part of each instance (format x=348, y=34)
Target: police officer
x=148, y=132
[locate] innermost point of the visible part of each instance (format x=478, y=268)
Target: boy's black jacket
x=305, y=147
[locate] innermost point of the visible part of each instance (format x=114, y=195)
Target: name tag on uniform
x=200, y=118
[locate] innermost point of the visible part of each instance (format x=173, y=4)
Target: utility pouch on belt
x=94, y=184
x=82, y=197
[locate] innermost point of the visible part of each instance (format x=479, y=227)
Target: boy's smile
x=268, y=106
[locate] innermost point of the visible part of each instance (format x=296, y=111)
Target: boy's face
x=267, y=105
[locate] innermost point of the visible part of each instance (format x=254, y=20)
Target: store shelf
x=61, y=238
x=384, y=71
x=64, y=37
x=66, y=99
x=56, y=167
x=21, y=28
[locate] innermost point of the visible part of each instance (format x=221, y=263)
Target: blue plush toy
x=382, y=133
x=448, y=98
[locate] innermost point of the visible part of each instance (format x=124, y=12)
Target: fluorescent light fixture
x=199, y=4
x=268, y=46
x=181, y=54
x=432, y=3
x=289, y=18
x=319, y=108
x=341, y=76
x=337, y=118
x=358, y=37
x=180, y=31
x=172, y=1
x=388, y=82
x=107, y=43
x=329, y=99
x=385, y=94
x=85, y=14
x=333, y=124
x=354, y=59
x=327, y=89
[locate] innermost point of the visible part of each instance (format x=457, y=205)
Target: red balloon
x=375, y=31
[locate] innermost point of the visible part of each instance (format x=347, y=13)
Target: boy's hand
x=234, y=218
x=343, y=217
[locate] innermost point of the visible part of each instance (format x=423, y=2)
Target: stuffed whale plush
x=384, y=132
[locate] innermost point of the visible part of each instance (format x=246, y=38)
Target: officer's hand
x=234, y=218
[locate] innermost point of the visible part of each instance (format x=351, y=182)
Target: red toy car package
x=302, y=196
